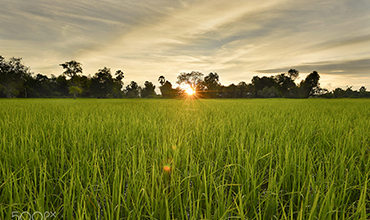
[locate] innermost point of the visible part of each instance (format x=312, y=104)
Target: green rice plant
x=184, y=159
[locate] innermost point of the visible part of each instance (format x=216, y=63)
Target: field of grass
x=185, y=159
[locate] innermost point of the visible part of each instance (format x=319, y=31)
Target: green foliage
x=268, y=92
x=75, y=90
x=13, y=74
x=72, y=69
x=228, y=159
x=347, y=93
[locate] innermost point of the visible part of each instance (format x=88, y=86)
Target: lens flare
x=167, y=168
x=190, y=91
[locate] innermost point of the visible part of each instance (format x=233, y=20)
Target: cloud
x=341, y=42
x=164, y=37
x=355, y=68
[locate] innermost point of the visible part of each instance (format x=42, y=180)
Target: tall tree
x=362, y=89
x=118, y=84
x=166, y=89
x=310, y=86
x=260, y=83
x=230, y=91
x=192, y=79
x=43, y=86
x=102, y=83
x=148, y=90
x=85, y=83
x=72, y=69
x=119, y=75
x=285, y=84
x=242, y=86
x=212, y=85
x=62, y=85
x=133, y=90
x=13, y=74
x=363, y=93
x=293, y=74
x=268, y=92
x=162, y=80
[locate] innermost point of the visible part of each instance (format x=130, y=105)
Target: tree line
x=17, y=80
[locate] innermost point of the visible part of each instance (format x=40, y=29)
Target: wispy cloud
x=354, y=68
x=145, y=39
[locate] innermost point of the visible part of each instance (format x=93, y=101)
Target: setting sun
x=190, y=91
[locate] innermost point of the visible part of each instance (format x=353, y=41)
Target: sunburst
x=190, y=91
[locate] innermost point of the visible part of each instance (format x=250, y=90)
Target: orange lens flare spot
x=167, y=168
x=173, y=147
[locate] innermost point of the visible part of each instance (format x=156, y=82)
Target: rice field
x=184, y=159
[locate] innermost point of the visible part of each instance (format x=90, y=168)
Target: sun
x=190, y=91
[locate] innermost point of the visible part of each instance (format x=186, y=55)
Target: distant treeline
x=17, y=80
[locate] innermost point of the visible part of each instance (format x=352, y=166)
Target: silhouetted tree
x=293, y=74
x=363, y=93
x=148, y=90
x=268, y=92
x=242, y=86
x=13, y=75
x=166, y=88
x=43, y=87
x=62, y=85
x=133, y=90
x=260, y=83
x=285, y=84
x=338, y=93
x=102, y=83
x=192, y=79
x=362, y=89
x=119, y=76
x=72, y=69
x=84, y=83
x=162, y=80
x=118, y=84
x=16, y=80
x=200, y=91
x=230, y=91
x=249, y=91
x=212, y=85
x=310, y=86
x=348, y=93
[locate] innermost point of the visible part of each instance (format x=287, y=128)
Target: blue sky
x=238, y=39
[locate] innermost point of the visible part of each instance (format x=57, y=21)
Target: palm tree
x=162, y=80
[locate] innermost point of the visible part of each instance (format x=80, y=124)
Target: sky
x=237, y=39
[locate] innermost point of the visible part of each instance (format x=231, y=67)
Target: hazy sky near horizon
x=238, y=39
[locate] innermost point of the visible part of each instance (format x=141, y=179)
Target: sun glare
x=190, y=91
